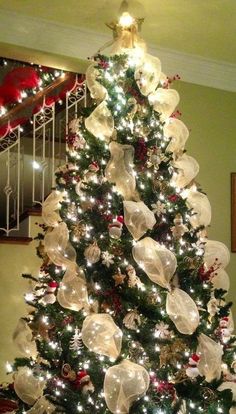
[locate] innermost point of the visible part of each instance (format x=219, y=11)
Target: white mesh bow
x=125, y=383
x=42, y=406
x=228, y=385
x=216, y=251
x=187, y=167
x=156, y=260
x=101, y=335
x=72, y=293
x=50, y=208
x=100, y=122
x=147, y=74
x=183, y=311
x=177, y=131
x=119, y=169
x=23, y=339
x=28, y=387
x=58, y=247
x=210, y=358
x=138, y=218
x=164, y=101
x=97, y=91
x=201, y=207
x=221, y=280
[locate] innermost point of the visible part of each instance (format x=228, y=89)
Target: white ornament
x=76, y=342
x=133, y=278
x=132, y=320
x=124, y=383
x=138, y=218
x=162, y=331
x=159, y=208
x=107, y=259
x=192, y=370
x=115, y=229
x=212, y=306
x=101, y=335
x=156, y=260
x=28, y=387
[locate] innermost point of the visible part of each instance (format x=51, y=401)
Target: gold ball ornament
x=92, y=253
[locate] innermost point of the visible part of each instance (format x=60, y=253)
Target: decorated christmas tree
x=129, y=311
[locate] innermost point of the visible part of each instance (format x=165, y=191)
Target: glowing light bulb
x=126, y=20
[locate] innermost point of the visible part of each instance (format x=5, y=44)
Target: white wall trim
x=77, y=42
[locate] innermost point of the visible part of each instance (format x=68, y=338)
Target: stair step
x=15, y=240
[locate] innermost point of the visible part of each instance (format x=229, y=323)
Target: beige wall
x=15, y=260
x=210, y=114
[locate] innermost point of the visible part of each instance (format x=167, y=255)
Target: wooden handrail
x=12, y=114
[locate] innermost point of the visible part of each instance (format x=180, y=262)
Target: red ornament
x=23, y=78
x=53, y=284
x=173, y=198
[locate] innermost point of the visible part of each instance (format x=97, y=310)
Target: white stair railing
x=28, y=161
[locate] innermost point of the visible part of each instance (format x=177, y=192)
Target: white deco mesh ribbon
x=125, y=383
x=177, y=131
x=97, y=91
x=28, y=387
x=164, y=101
x=201, y=208
x=119, y=169
x=221, y=280
x=50, y=208
x=210, y=353
x=156, y=260
x=228, y=385
x=187, y=167
x=58, y=247
x=42, y=406
x=216, y=250
x=23, y=339
x=72, y=293
x=138, y=218
x=101, y=335
x=147, y=74
x=100, y=122
x=183, y=311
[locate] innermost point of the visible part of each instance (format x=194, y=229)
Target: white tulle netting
x=187, y=169
x=216, y=253
x=183, y=311
x=100, y=122
x=177, y=132
x=210, y=353
x=97, y=90
x=101, y=335
x=42, y=406
x=138, y=218
x=221, y=280
x=119, y=169
x=199, y=203
x=147, y=74
x=51, y=207
x=156, y=260
x=124, y=383
x=23, y=339
x=28, y=387
x=164, y=101
x=72, y=293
